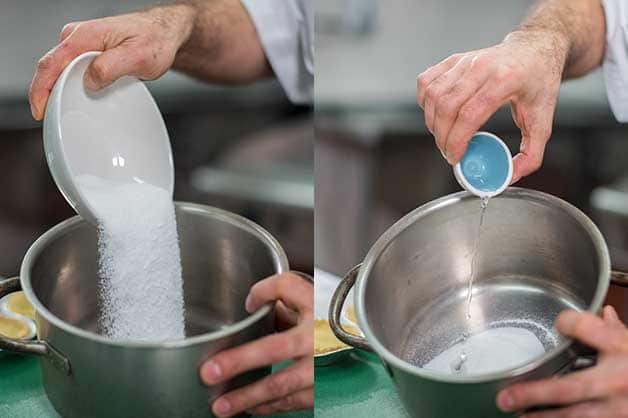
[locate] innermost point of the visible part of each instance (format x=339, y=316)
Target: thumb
x=609, y=314
x=530, y=156
x=110, y=66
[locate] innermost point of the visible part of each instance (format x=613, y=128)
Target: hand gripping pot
x=89, y=375
x=537, y=256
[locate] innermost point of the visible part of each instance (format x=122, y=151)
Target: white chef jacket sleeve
x=615, y=65
x=286, y=30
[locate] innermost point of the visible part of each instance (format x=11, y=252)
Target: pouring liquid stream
x=457, y=365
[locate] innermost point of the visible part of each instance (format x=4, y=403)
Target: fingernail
x=34, y=112
x=567, y=320
x=211, y=372
x=90, y=83
x=221, y=407
x=505, y=401
x=611, y=312
x=248, y=304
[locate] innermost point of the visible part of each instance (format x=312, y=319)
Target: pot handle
x=37, y=347
x=619, y=278
x=335, y=309
x=304, y=276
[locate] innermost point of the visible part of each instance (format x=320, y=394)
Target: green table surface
x=356, y=386
x=22, y=395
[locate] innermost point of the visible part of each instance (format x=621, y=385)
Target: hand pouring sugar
x=141, y=288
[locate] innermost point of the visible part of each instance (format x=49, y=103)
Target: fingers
x=577, y=387
x=595, y=409
x=296, y=293
x=292, y=294
x=52, y=64
x=113, y=64
x=528, y=161
x=460, y=94
x=425, y=78
x=67, y=30
x=295, y=343
x=448, y=104
x=300, y=400
x=285, y=318
x=474, y=113
x=439, y=87
x=611, y=408
x=609, y=314
x=605, y=380
x=592, y=330
x=278, y=388
x=530, y=157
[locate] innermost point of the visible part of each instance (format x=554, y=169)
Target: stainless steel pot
x=537, y=256
x=89, y=375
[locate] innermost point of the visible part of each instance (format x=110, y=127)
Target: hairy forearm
x=223, y=44
x=577, y=29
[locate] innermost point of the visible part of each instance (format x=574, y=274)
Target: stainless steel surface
x=619, y=278
x=504, y=301
x=537, y=255
x=304, y=276
x=335, y=311
x=222, y=256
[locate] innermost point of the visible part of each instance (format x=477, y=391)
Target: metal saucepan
x=537, y=256
x=89, y=375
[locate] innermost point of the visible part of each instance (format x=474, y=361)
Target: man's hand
x=560, y=38
x=461, y=93
x=214, y=41
x=288, y=389
x=142, y=44
x=598, y=392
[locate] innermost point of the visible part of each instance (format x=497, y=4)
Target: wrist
x=178, y=18
x=552, y=44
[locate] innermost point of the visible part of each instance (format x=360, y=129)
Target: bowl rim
x=603, y=281
x=462, y=180
x=279, y=257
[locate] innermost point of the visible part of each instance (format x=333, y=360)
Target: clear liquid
x=476, y=247
x=457, y=366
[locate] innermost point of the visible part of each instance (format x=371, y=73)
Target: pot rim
x=391, y=233
x=279, y=256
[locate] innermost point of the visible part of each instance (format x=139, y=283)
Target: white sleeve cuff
x=286, y=31
x=615, y=63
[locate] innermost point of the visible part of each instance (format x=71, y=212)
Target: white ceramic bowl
x=116, y=134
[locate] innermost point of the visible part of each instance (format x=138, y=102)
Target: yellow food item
x=19, y=304
x=324, y=339
x=13, y=328
x=351, y=314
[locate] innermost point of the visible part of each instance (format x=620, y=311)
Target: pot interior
x=536, y=256
x=221, y=256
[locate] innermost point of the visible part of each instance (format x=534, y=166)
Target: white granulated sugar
x=141, y=288
x=489, y=351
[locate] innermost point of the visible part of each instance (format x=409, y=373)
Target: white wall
x=409, y=36
x=29, y=28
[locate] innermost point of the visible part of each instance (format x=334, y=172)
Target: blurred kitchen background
x=244, y=149
x=375, y=160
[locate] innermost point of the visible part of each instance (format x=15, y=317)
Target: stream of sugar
x=141, y=286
